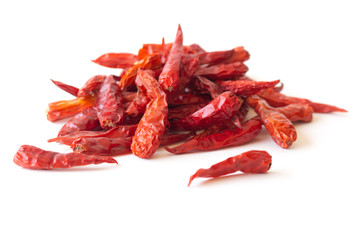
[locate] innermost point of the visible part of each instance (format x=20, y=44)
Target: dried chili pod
x=239, y=55
x=297, y=112
x=109, y=104
x=102, y=146
x=170, y=138
x=253, y=161
x=219, y=109
x=188, y=68
x=208, y=86
x=224, y=138
x=277, y=99
x=67, y=88
x=245, y=88
x=116, y=60
x=86, y=120
x=222, y=71
x=184, y=110
x=35, y=158
x=169, y=77
x=277, y=124
x=187, y=98
x=68, y=108
x=92, y=86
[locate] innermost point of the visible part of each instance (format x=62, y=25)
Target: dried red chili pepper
x=92, y=86
x=225, y=138
x=152, y=125
x=168, y=139
x=35, y=158
x=187, y=98
x=219, y=109
x=109, y=104
x=169, y=77
x=138, y=104
x=279, y=126
x=188, y=68
x=67, y=88
x=102, y=146
x=193, y=49
x=86, y=120
x=68, y=108
x=184, y=110
x=116, y=60
x=239, y=55
x=248, y=162
x=245, y=88
x=277, y=99
x=297, y=112
x=222, y=71
x=208, y=86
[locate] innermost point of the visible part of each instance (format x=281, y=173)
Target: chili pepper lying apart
x=248, y=162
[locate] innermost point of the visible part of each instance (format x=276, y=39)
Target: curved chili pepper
x=225, y=138
x=109, y=104
x=67, y=88
x=152, y=125
x=239, y=55
x=222, y=71
x=86, y=120
x=277, y=99
x=116, y=60
x=219, y=109
x=297, y=112
x=68, y=108
x=92, y=86
x=254, y=161
x=280, y=127
x=245, y=88
x=169, y=77
x=35, y=158
x=102, y=146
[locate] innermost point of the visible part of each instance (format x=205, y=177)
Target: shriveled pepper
x=222, y=71
x=297, y=112
x=245, y=88
x=254, y=161
x=66, y=87
x=35, y=158
x=116, y=60
x=92, y=86
x=102, y=146
x=184, y=110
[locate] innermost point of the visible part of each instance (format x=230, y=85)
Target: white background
x=311, y=191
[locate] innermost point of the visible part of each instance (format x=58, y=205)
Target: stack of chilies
x=169, y=93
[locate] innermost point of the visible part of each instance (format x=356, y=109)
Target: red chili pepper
x=222, y=71
x=168, y=139
x=67, y=88
x=245, y=88
x=68, y=108
x=86, y=120
x=225, y=138
x=153, y=48
x=208, y=86
x=35, y=158
x=138, y=104
x=92, y=86
x=187, y=98
x=188, y=68
x=184, y=110
x=280, y=127
x=248, y=162
x=219, y=109
x=116, y=60
x=102, y=146
x=239, y=55
x=193, y=49
x=277, y=99
x=152, y=125
x=212, y=58
x=297, y=112
x=109, y=104
x=169, y=77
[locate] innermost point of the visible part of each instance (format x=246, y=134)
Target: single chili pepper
x=219, y=109
x=187, y=98
x=239, y=55
x=254, y=161
x=169, y=77
x=188, y=68
x=116, y=60
x=153, y=48
x=222, y=71
x=149, y=62
x=102, y=146
x=212, y=58
x=109, y=104
x=68, y=108
x=35, y=158
x=184, y=110
x=277, y=124
x=297, y=112
x=152, y=125
x=86, y=120
x=122, y=131
x=67, y=88
x=245, y=88
x=193, y=49
x=138, y=104
x=225, y=138
x=92, y=86
x=208, y=86
x=279, y=88
x=277, y=99
x=168, y=139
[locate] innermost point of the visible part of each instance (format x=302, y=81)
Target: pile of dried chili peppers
x=170, y=93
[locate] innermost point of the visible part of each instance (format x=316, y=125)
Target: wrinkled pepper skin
x=86, y=120
x=67, y=88
x=208, y=86
x=184, y=110
x=219, y=109
x=222, y=71
x=116, y=60
x=245, y=88
x=109, y=105
x=102, y=146
x=169, y=77
x=225, y=138
x=296, y=112
x=277, y=124
x=35, y=158
x=92, y=86
x=187, y=98
x=248, y=162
